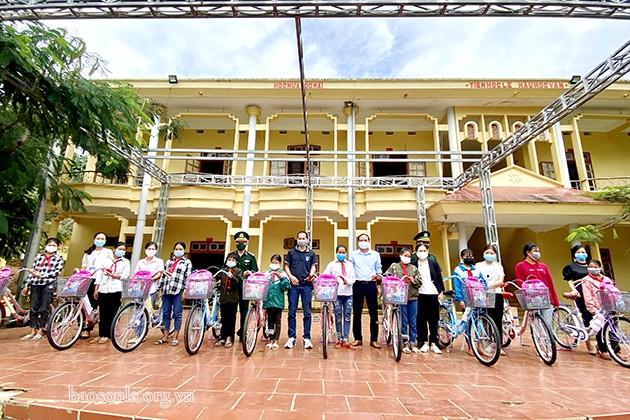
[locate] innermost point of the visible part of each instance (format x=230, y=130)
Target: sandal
x=174, y=342
x=160, y=342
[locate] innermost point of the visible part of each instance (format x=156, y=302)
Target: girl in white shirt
x=492, y=272
x=152, y=264
x=344, y=271
x=108, y=291
x=96, y=257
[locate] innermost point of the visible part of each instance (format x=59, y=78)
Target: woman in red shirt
x=531, y=267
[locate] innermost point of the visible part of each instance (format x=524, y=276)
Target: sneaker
x=435, y=349
x=338, y=345
x=37, y=337
x=269, y=346
x=348, y=346
x=406, y=350
x=290, y=343
x=27, y=336
x=307, y=344
x=275, y=346
x=415, y=349
x=219, y=343
x=424, y=348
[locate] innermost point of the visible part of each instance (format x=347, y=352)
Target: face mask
x=341, y=257
x=536, y=256
x=178, y=254
x=468, y=261
x=302, y=242
x=422, y=255
x=150, y=252
x=51, y=249
x=364, y=245
x=99, y=243
x=489, y=257
x=119, y=253
x=241, y=247
x=581, y=257
x=274, y=266
x=231, y=264
x=405, y=260
x=594, y=271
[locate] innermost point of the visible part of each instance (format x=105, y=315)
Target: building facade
x=241, y=164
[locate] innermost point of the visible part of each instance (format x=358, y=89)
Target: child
x=172, y=290
x=108, y=291
x=343, y=307
x=230, y=284
x=410, y=274
x=465, y=269
x=278, y=284
x=46, y=269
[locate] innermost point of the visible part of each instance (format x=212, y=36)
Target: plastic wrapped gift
x=615, y=301
x=533, y=297
x=394, y=291
x=255, y=287
x=477, y=296
x=5, y=277
x=76, y=285
x=138, y=286
x=325, y=288
x=199, y=284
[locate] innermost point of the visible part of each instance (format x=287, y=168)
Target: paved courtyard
x=39, y=382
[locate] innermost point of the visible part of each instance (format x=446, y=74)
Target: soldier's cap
x=425, y=234
x=241, y=235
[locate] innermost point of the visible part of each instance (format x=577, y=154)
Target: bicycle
x=395, y=293
x=198, y=286
x=130, y=325
x=567, y=323
x=8, y=303
x=509, y=322
x=533, y=296
x=616, y=328
x=325, y=290
x=255, y=289
x=448, y=326
x=72, y=316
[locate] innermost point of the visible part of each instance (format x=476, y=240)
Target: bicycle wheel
x=484, y=339
x=508, y=331
x=130, y=326
x=3, y=315
x=387, y=331
x=65, y=325
x=214, y=311
x=195, y=328
x=250, y=332
x=617, y=338
x=563, y=324
x=446, y=324
x=324, y=321
x=543, y=339
x=396, y=333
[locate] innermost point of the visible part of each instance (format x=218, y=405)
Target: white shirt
x=427, y=288
x=334, y=268
x=98, y=259
x=156, y=264
x=108, y=284
x=491, y=272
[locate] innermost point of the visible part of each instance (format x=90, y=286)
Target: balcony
x=598, y=184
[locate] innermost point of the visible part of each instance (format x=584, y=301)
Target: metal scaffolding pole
x=160, y=217
x=487, y=204
x=421, y=209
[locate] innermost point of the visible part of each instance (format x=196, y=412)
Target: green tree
x=46, y=102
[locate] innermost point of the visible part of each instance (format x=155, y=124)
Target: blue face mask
x=341, y=257
x=99, y=243
x=120, y=253
x=178, y=254
x=581, y=257
x=489, y=257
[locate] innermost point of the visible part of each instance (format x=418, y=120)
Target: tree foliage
x=46, y=102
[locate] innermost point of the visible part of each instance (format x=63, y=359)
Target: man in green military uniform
x=247, y=263
x=424, y=238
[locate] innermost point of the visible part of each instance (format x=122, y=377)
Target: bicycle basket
x=478, y=297
x=76, y=285
x=533, y=298
x=199, y=285
x=395, y=291
x=325, y=288
x=255, y=287
x=5, y=278
x=614, y=301
x=138, y=286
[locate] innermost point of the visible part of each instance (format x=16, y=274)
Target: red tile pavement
x=164, y=382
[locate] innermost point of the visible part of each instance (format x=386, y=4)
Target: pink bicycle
x=10, y=310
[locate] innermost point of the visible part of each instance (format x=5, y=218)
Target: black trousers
x=109, y=304
x=93, y=302
x=228, y=320
x=243, y=306
x=496, y=314
x=274, y=321
x=41, y=298
x=367, y=291
x=428, y=316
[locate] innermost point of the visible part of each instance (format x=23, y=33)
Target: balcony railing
x=598, y=184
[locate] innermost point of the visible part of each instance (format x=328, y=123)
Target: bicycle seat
x=569, y=295
x=507, y=295
x=448, y=293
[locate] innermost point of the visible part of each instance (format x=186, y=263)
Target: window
x=516, y=126
x=547, y=169
x=496, y=131
x=209, y=246
x=471, y=130
x=417, y=169
x=293, y=167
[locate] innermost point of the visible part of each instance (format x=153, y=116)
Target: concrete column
x=253, y=112
x=144, y=197
x=453, y=140
x=463, y=237
x=578, y=155
x=561, y=156
x=350, y=111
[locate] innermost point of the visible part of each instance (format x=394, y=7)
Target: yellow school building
x=383, y=155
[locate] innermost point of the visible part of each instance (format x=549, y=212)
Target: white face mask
x=150, y=252
x=405, y=260
x=274, y=266
x=364, y=245
x=231, y=264
x=423, y=255
x=51, y=248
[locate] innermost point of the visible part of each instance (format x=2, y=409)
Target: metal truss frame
x=15, y=10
